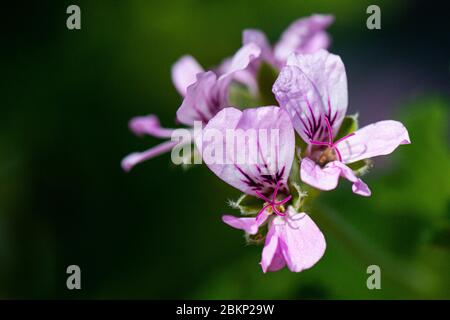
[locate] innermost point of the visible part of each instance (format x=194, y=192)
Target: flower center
x=328, y=155
x=331, y=153
x=272, y=205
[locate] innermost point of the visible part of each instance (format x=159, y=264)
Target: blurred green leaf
x=420, y=182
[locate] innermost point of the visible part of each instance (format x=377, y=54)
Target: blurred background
x=156, y=232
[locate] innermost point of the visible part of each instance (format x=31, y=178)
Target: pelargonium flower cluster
x=317, y=143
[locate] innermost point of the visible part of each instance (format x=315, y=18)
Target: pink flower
x=209, y=93
x=305, y=35
x=204, y=94
x=292, y=239
x=312, y=88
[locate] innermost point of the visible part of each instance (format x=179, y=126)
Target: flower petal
x=376, y=139
x=137, y=157
x=301, y=36
x=209, y=94
x=242, y=59
x=246, y=77
x=149, y=125
x=325, y=178
x=272, y=257
x=249, y=225
x=202, y=100
x=320, y=40
x=259, y=38
x=298, y=96
x=358, y=187
x=301, y=241
x=254, y=148
x=184, y=73
x=327, y=73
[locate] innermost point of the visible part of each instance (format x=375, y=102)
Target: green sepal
x=349, y=125
x=246, y=204
x=361, y=167
x=298, y=196
x=258, y=238
x=294, y=184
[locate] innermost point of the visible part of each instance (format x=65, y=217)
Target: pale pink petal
x=325, y=178
x=327, y=73
x=137, y=157
x=272, y=257
x=298, y=96
x=301, y=241
x=299, y=35
x=242, y=59
x=376, y=139
x=149, y=125
x=249, y=225
x=259, y=38
x=202, y=100
x=321, y=40
x=184, y=73
x=261, y=153
x=209, y=94
x=246, y=77
x=358, y=187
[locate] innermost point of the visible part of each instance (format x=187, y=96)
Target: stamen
x=283, y=201
x=272, y=203
x=318, y=143
x=278, y=212
x=261, y=196
x=275, y=191
x=330, y=131
x=343, y=138
x=262, y=210
x=337, y=153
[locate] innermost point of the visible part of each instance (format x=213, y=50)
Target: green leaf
x=349, y=125
x=266, y=77
x=361, y=167
x=420, y=182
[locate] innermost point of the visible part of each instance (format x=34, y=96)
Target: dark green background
x=66, y=98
